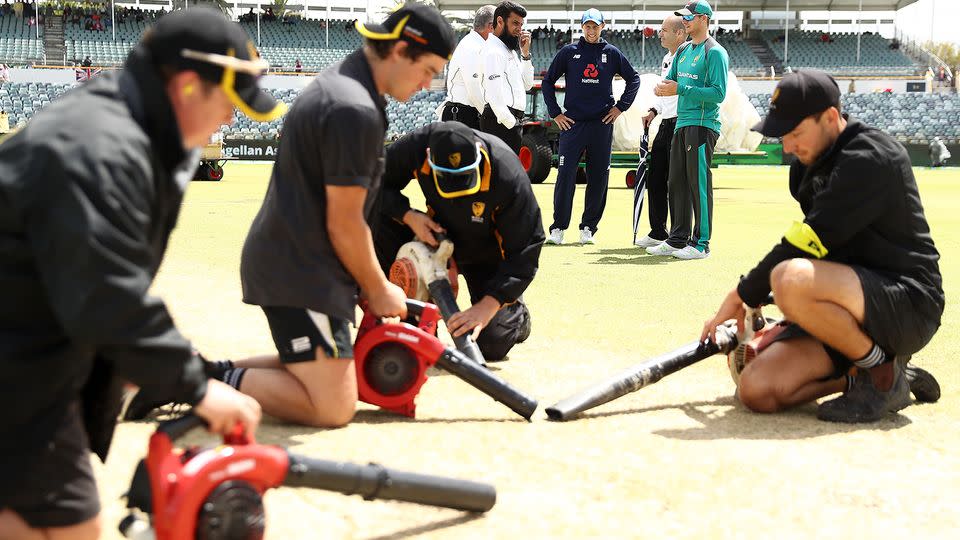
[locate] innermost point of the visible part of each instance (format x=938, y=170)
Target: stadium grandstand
x=763, y=38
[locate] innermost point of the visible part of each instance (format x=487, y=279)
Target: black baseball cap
x=201, y=39
x=454, y=154
x=415, y=23
x=800, y=94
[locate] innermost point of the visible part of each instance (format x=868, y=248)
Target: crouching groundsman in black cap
x=858, y=278
x=85, y=212
x=476, y=192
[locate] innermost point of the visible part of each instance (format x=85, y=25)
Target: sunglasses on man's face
x=689, y=18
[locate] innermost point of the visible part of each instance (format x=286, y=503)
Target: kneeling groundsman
x=479, y=195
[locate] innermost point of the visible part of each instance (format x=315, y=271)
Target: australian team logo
x=478, y=208
x=454, y=159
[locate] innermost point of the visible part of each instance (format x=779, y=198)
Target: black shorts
x=297, y=332
x=895, y=317
x=54, y=487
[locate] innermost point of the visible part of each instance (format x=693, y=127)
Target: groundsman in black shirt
x=309, y=248
x=858, y=277
x=86, y=209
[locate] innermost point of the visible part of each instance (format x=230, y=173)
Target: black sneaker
x=923, y=384
x=136, y=406
x=863, y=402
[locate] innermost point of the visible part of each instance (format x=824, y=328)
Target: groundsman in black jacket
x=90, y=190
x=858, y=277
x=476, y=192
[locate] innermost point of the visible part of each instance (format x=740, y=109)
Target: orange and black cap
x=415, y=23
x=201, y=39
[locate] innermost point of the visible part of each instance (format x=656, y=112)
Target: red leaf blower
x=392, y=361
x=216, y=493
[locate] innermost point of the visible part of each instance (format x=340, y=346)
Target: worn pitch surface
x=680, y=459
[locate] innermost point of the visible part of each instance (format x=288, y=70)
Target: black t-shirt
x=333, y=135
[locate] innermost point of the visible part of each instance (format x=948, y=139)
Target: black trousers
x=511, y=324
x=658, y=172
x=691, y=187
x=465, y=114
x=490, y=124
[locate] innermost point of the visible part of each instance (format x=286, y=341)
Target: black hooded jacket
x=90, y=191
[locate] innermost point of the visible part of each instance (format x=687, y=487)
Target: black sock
x=234, y=376
x=216, y=369
x=873, y=358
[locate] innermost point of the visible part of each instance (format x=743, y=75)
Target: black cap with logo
x=201, y=39
x=454, y=153
x=800, y=94
x=415, y=23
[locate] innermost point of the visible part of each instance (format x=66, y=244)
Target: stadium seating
x=307, y=40
x=18, y=41
x=910, y=117
x=21, y=100
x=839, y=56
x=100, y=45
x=281, y=44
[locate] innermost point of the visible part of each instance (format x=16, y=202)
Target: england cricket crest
x=478, y=208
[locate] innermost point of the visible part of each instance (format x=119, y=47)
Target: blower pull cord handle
x=374, y=481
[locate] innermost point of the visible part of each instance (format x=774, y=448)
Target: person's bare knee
x=13, y=527
x=331, y=384
x=791, y=283
x=757, y=391
x=88, y=530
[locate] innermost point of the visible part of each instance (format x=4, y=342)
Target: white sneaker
x=646, y=242
x=556, y=237
x=586, y=236
x=662, y=248
x=690, y=253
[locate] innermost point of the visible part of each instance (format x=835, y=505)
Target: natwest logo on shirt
x=590, y=74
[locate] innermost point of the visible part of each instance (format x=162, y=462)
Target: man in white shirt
x=506, y=76
x=672, y=35
x=464, y=91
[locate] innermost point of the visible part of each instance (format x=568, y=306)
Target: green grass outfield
x=677, y=460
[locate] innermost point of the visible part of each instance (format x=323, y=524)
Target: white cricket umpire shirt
x=464, y=72
x=506, y=79
x=666, y=106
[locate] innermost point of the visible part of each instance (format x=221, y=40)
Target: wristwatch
x=653, y=110
x=527, y=57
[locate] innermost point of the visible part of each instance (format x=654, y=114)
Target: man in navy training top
x=587, y=123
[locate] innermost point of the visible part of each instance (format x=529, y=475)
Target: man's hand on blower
x=475, y=318
x=222, y=407
x=387, y=301
x=422, y=226
x=731, y=308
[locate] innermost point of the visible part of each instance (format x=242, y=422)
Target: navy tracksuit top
x=589, y=70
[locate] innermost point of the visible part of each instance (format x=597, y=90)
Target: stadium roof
x=666, y=5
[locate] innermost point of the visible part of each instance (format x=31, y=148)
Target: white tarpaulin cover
x=737, y=116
